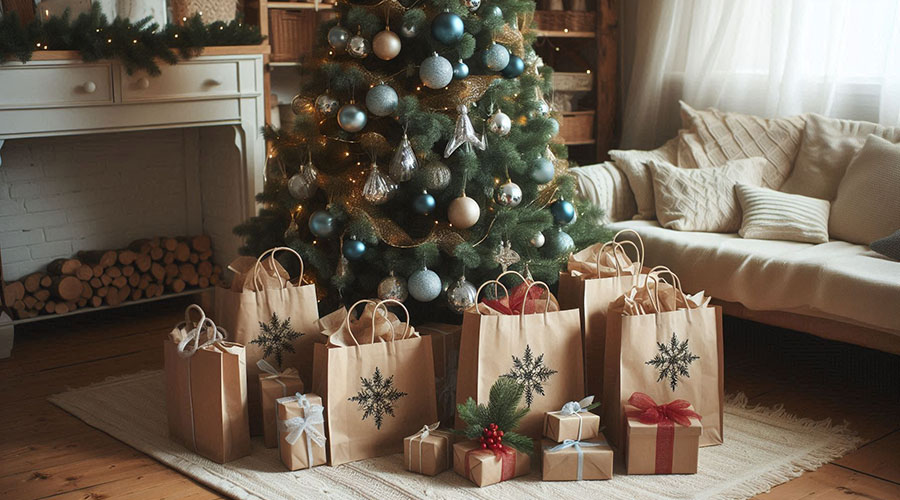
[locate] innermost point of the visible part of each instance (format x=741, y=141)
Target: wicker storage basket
x=577, y=127
x=572, y=82
x=292, y=34
x=212, y=10
x=554, y=20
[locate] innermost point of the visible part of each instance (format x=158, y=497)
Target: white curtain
x=767, y=57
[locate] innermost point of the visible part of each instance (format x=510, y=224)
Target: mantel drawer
x=52, y=85
x=187, y=79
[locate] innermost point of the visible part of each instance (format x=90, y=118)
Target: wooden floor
x=45, y=452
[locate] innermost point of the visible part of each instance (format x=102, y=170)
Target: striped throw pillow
x=773, y=215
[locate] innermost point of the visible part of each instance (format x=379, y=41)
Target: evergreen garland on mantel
x=139, y=45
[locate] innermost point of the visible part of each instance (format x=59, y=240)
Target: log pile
x=146, y=268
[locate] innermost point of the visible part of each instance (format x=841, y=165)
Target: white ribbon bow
x=578, y=445
x=297, y=426
x=267, y=367
x=576, y=408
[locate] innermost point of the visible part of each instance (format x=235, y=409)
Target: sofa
x=834, y=289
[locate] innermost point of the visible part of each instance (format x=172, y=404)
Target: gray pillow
x=889, y=246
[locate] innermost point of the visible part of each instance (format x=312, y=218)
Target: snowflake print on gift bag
x=531, y=373
x=376, y=397
x=673, y=361
x=275, y=338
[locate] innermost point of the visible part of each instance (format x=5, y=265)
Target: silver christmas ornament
x=302, y=185
x=382, y=100
x=436, y=176
x=358, y=47
x=393, y=287
x=404, y=163
x=509, y=194
x=463, y=133
x=409, y=30
x=326, y=105
x=472, y=5
x=537, y=241
x=495, y=57
x=499, y=123
x=378, y=188
x=505, y=256
x=424, y=285
x=461, y=295
x=436, y=72
x=463, y=212
x=352, y=118
x=543, y=171
x=386, y=44
x=338, y=37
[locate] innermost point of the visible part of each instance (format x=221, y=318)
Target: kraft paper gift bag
x=274, y=317
x=445, y=343
x=668, y=345
x=301, y=431
x=524, y=336
x=206, y=390
x=595, y=277
x=272, y=386
x=376, y=393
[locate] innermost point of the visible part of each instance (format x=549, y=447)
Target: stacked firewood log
x=147, y=268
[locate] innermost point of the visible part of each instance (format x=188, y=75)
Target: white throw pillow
x=867, y=207
x=633, y=164
x=773, y=215
x=827, y=148
x=703, y=199
x=605, y=186
x=717, y=137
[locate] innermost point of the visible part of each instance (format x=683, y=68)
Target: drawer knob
x=143, y=83
x=209, y=82
x=89, y=87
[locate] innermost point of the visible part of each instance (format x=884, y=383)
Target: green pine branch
x=502, y=409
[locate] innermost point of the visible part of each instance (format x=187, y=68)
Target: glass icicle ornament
x=404, y=163
x=378, y=188
x=302, y=185
x=463, y=133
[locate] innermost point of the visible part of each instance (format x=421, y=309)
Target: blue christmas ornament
x=555, y=124
x=447, y=28
x=321, y=224
x=354, y=249
x=514, y=68
x=424, y=203
x=460, y=70
x=382, y=100
x=563, y=212
x=495, y=57
x=543, y=171
x=494, y=11
x=557, y=243
x=424, y=285
x=352, y=118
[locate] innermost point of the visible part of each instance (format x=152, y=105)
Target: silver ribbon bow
x=568, y=443
x=275, y=375
x=297, y=426
x=576, y=408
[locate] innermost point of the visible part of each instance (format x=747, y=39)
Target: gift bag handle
x=620, y=246
x=347, y=319
x=257, y=282
x=391, y=301
x=654, y=274
x=486, y=283
x=640, y=254
x=205, y=324
x=528, y=289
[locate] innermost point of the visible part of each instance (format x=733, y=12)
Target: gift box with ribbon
x=301, y=431
x=485, y=467
x=428, y=451
x=574, y=460
x=573, y=422
x=661, y=439
x=445, y=344
x=273, y=385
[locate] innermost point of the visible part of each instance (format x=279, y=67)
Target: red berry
x=483, y=446
x=501, y=433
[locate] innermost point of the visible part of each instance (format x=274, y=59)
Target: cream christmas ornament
x=463, y=212
x=386, y=45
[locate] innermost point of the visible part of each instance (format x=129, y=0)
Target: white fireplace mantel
x=57, y=94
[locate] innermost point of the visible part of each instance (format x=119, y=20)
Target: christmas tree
x=424, y=158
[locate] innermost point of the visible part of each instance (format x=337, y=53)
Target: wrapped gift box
x=445, y=344
x=301, y=418
x=484, y=467
x=576, y=460
x=271, y=388
x=428, y=451
x=579, y=426
x=664, y=448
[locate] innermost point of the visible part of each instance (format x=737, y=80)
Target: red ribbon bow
x=516, y=301
x=648, y=412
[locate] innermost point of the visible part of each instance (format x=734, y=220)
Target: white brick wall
x=64, y=194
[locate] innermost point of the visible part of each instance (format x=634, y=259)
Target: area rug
x=763, y=448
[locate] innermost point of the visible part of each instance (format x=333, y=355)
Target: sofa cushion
x=605, y=186
x=716, y=137
x=828, y=146
x=889, y=246
x=772, y=215
x=835, y=280
x=634, y=163
x=703, y=199
x=867, y=206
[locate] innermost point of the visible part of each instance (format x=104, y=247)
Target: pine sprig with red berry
x=493, y=424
